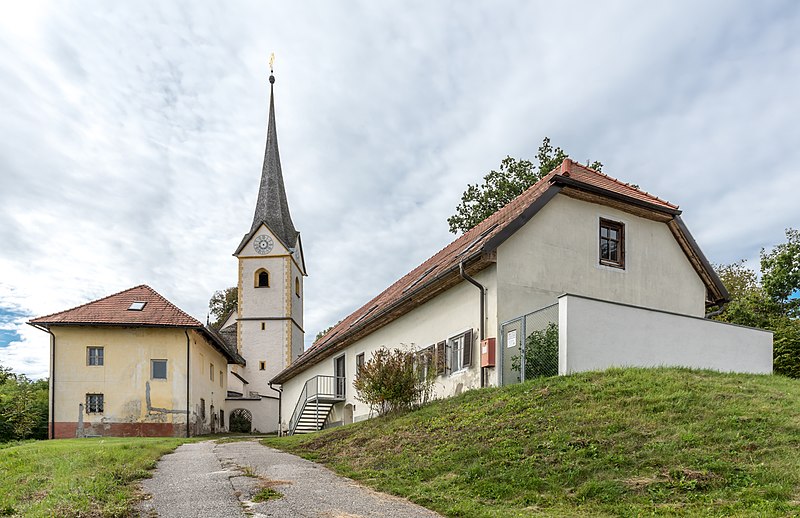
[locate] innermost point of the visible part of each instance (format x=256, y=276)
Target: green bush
x=541, y=353
x=393, y=381
x=786, y=348
x=23, y=407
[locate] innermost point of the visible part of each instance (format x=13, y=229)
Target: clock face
x=263, y=244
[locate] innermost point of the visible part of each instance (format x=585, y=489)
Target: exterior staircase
x=316, y=401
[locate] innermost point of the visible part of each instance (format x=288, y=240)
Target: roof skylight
x=136, y=306
x=417, y=281
x=359, y=319
x=475, y=241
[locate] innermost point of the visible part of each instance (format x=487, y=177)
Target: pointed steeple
x=272, y=207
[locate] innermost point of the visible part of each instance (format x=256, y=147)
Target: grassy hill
x=621, y=442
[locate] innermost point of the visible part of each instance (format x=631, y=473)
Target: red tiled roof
x=113, y=310
x=472, y=243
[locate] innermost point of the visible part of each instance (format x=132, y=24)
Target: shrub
x=393, y=381
x=541, y=353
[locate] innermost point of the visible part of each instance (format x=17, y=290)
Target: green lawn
x=77, y=477
x=635, y=442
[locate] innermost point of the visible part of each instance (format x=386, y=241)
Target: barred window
x=94, y=403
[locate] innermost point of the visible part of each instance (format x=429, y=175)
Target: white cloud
x=132, y=134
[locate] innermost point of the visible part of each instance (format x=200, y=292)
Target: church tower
x=269, y=318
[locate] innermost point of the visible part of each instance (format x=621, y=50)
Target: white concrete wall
x=447, y=315
x=558, y=252
x=596, y=335
x=264, y=412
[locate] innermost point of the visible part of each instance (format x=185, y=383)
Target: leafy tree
x=541, y=353
x=392, y=381
x=23, y=407
x=222, y=302
x=770, y=304
x=480, y=201
x=780, y=273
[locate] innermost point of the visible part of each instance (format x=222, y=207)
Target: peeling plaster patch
x=154, y=410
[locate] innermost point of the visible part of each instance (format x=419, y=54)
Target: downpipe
x=481, y=330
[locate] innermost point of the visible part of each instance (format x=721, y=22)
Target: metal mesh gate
x=530, y=345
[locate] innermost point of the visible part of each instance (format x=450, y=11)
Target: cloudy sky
x=132, y=133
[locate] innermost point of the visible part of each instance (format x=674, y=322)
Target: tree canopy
x=771, y=303
x=221, y=304
x=23, y=406
x=479, y=201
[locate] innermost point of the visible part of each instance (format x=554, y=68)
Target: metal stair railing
x=328, y=387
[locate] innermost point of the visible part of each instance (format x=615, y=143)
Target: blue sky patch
x=8, y=334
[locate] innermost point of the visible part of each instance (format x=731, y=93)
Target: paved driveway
x=209, y=479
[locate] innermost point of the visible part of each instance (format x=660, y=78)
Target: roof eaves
x=716, y=282
x=219, y=343
x=571, y=182
x=327, y=348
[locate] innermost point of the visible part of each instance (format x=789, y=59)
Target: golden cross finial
x=271, y=61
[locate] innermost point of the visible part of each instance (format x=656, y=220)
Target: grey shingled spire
x=272, y=207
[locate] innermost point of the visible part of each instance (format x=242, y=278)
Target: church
x=612, y=272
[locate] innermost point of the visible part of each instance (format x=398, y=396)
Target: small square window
x=158, y=369
x=94, y=403
x=612, y=243
x=94, y=356
x=136, y=306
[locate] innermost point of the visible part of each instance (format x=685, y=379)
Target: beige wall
x=447, y=315
x=557, y=252
x=131, y=397
x=213, y=392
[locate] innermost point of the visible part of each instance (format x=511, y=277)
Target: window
x=612, y=243
x=94, y=403
x=220, y=378
x=460, y=351
x=158, y=369
x=137, y=306
x=222, y=419
x=425, y=362
x=263, y=326
x=359, y=362
x=262, y=365
x=202, y=409
x=262, y=278
x=297, y=286
x=94, y=356
x=211, y=371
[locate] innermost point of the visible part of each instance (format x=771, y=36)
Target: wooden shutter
x=468, y=348
x=441, y=359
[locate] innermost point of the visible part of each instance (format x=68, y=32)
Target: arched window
x=262, y=278
x=297, y=286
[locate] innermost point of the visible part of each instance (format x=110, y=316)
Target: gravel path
x=209, y=479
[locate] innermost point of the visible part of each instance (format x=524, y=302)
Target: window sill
x=459, y=372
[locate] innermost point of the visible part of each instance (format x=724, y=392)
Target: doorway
x=339, y=372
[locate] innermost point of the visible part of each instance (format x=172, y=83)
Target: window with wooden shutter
x=441, y=358
x=467, y=359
